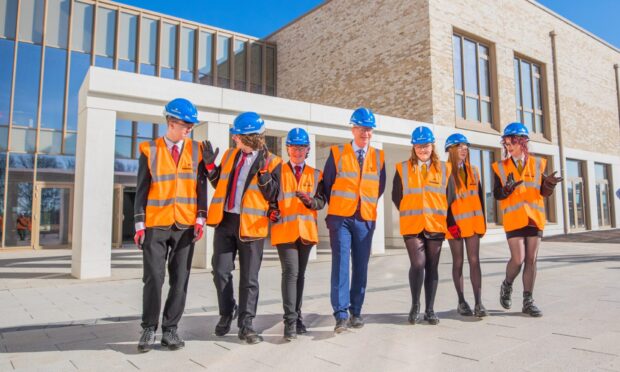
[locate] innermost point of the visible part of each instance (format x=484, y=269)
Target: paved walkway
x=51, y=322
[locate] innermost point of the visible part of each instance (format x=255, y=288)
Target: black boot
x=223, y=326
x=464, y=309
x=505, y=295
x=249, y=335
x=414, y=314
x=301, y=327
x=529, y=307
x=431, y=317
x=480, y=311
x=147, y=340
x=290, y=332
x=172, y=340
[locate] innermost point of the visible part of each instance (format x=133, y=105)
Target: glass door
x=602, y=201
x=576, y=205
x=53, y=215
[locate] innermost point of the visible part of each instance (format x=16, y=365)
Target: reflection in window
x=82, y=27
x=53, y=88
x=205, y=54
x=223, y=61
x=603, y=202
x=50, y=142
x=271, y=71
x=575, y=190
x=106, y=33
x=8, y=18
x=168, y=50
x=19, y=200
x=483, y=159
x=80, y=63
x=187, y=54
x=239, y=51
x=528, y=82
x=148, y=46
x=256, y=69
x=70, y=139
x=124, y=132
x=127, y=37
x=470, y=62
x=55, y=168
x=2, y=183
x=31, y=21
x=6, y=74
x=27, y=85
x=56, y=25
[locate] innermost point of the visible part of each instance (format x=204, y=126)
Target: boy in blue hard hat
x=170, y=211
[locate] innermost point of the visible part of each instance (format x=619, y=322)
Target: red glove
x=198, y=232
x=274, y=215
x=455, y=231
x=139, y=238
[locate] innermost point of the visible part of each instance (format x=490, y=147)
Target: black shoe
x=341, y=325
x=505, y=294
x=249, y=335
x=464, y=309
x=290, y=330
x=172, y=340
x=529, y=307
x=223, y=326
x=356, y=321
x=147, y=340
x=480, y=311
x=431, y=317
x=414, y=315
x=301, y=327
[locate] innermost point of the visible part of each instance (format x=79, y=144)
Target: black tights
x=424, y=256
x=473, y=257
x=523, y=250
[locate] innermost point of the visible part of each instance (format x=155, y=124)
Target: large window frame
x=536, y=81
x=486, y=171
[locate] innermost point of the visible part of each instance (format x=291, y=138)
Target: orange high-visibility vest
x=525, y=203
x=466, y=208
x=254, y=223
x=424, y=206
x=296, y=220
x=351, y=185
x=172, y=197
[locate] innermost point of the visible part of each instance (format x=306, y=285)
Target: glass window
x=528, y=92
x=124, y=128
x=82, y=27
x=483, y=159
x=122, y=147
x=240, y=52
x=27, y=85
x=127, y=37
x=256, y=68
x=472, y=80
x=80, y=63
x=145, y=130
x=2, y=183
x=70, y=139
x=148, y=46
x=19, y=200
x=188, y=37
x=31, y=20
x=573, y=168
x=6, y=76
x=127, y=66
x=603, y=203
x=23, y=140
x=50, y=141
x=271, y=71
x=168, y=50
x=8, y=18
x=205, y=54
x=55, y=168
x=222, y=60
x=53, y=97
x=106, y=32
x=56, y=25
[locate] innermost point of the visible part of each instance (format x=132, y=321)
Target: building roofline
x=570, y=23
x=298, y=19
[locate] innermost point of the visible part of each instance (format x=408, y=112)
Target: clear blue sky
x=261, y=17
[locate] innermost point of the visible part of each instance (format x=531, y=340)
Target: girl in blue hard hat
x=520, y=185
x=466, y=221
x=419, y=193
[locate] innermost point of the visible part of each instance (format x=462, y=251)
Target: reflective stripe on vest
x=172, y=197
x=353, y=186
x=467, y=208
x=423, y=206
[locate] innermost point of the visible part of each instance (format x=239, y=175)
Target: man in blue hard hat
x=354, y=180
x=170, y=211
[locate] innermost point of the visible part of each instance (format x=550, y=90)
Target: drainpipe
x=617, y=90
x=558, y=120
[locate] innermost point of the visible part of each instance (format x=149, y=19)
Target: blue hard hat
x=363, y=117
x=297, y=137
x=182, y=109
x=421, y=136
x=248, y=123
x=516, y=129
x=455, y=139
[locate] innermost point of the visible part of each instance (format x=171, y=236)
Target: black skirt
x=525, y=232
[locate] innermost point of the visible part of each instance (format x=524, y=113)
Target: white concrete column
x=590, y=195
x=219, y=136
x=378, y=239
x=94, y=186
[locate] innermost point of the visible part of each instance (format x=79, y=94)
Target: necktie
x=297, y=172
x=520, y=166
x=233, y=188
x=462, y=174
x=175, y=154
x=360, y=158
x=424, y=171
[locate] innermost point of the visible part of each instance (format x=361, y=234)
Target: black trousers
x=294, y=259
x=226, y=245
x=175, y=246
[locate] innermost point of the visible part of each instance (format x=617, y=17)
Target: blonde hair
x=454, y=159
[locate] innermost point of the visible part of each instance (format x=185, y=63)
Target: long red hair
x=521, y=141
